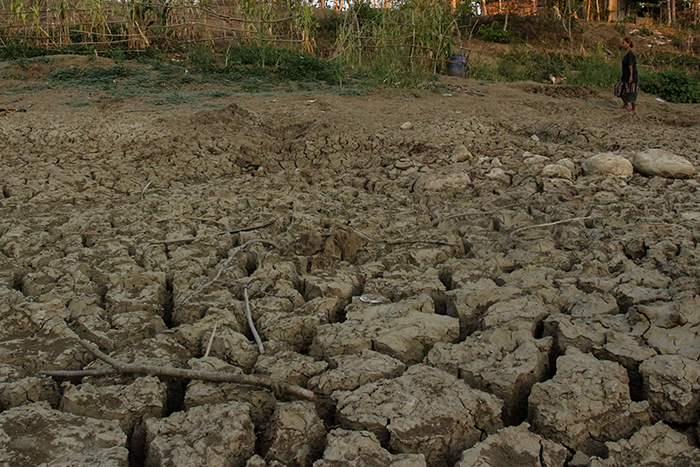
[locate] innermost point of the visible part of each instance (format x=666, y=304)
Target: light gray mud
x=484, y=326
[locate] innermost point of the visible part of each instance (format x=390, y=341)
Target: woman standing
x=626, y=89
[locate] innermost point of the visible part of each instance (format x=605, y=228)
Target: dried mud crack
x=532, y=296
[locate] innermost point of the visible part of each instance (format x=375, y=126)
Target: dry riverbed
x=448, y=272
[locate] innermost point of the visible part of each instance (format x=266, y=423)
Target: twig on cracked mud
x=202, y=375
x=481, y=213
x=549, y=224
x=411, y=241
x=189, y=218
x=143, y=192
x=203, y=237
x=211, y=340
x=405, y=241
x=225, y=265
x=249, y=315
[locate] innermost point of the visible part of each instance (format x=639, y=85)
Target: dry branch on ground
x=213, y=376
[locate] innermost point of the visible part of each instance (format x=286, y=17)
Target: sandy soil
x=356, y=202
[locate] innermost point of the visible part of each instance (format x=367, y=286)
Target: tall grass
x=139, y=24
x=396, y=45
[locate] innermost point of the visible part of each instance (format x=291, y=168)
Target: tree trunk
x=613, y=6
x=673, y=10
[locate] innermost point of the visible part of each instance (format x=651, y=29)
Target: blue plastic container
x=457, y=65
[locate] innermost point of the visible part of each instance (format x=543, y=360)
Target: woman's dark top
x=629, y=60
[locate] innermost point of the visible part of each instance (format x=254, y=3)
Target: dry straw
x=142, y=23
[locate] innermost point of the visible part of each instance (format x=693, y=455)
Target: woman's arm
x=631, y=74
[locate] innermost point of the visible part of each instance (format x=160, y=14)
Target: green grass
x=173, y=98
x=78, y=104
x=92, y=76
x=164, y=82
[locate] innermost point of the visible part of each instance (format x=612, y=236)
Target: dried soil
x=97, y=197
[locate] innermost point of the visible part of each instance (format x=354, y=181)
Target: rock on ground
x=296, y=435
x=213, y=435
x=587, y=402
x=556, y=171
x=672, y=387
x=27, y=432
x=608, y=163
x=426, y=410
x=515, y=446
x=662, y=164
x=651, y=446
x=452, y=177
x=362, y=449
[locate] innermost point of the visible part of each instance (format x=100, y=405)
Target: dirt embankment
x=503, y=329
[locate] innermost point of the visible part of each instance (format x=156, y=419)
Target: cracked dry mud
x=498, y=344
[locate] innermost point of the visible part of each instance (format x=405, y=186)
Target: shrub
x=258, y=61
x=495, y=34
x=21, y=50
x=672, y=85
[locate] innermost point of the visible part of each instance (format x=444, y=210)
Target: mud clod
x=214, y=434
x=440, y=416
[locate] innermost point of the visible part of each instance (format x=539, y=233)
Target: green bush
x=672, y=85
x=366, y=13
x=594, y=70
x=677, y=41
x=495, y=34
x=535, y=66
x=21, y=50
x=288, y=64
x=581, y=70
x=201, y=59
x=658, y=58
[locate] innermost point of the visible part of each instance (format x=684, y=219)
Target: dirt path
x=482, y=326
